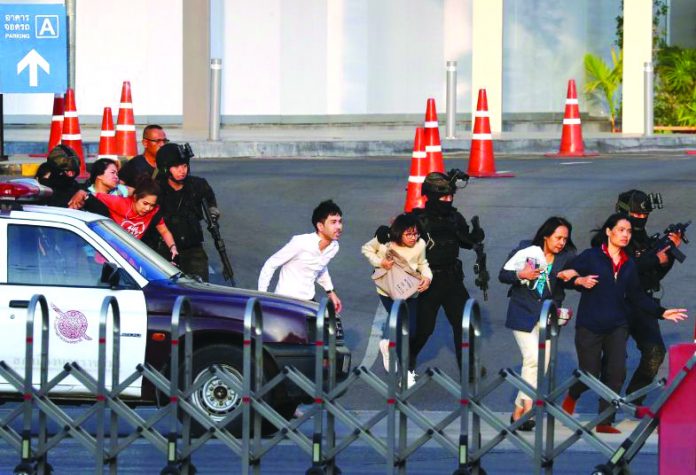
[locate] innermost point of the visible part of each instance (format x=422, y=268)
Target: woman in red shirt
x=138, y=212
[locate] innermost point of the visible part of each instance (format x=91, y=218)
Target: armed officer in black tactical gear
x=653, y=264
x=445, y=231
x=59, y=172
x=181, y=201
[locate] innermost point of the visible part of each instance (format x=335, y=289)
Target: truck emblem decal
x=71, y=326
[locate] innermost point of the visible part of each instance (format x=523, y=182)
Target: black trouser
x=446, y=290
x=645, y=330
x=192, y=261
x=604, y=357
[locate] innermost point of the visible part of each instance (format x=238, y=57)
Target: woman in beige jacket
x=405, y=241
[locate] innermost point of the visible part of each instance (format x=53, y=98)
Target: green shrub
x=675, y=86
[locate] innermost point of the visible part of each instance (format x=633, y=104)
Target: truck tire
x=215, y=398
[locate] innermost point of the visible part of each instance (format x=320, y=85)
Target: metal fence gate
x=322, y=444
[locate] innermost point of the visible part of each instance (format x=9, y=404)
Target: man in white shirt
x=304, y=260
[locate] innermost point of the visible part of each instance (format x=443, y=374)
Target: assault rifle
x=664, y=241
x=480, y=269
x=214, y=229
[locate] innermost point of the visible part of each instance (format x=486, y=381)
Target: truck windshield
x=144, y=260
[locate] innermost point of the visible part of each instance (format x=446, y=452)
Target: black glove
x=214, y=213
x=382, y=234
x=477, y=234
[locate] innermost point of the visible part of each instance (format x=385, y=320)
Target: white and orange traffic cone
x=433, y=146
x=107, y=138
x=56, y=121
x=571, y=138
x=481, y=157
x=56, y=125
x=71, y=136
x=126, y=144
x=419, y=170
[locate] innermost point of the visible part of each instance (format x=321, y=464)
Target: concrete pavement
x=358, y=458
x=264, y=201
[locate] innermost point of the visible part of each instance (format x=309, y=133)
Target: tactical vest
x=440, y=234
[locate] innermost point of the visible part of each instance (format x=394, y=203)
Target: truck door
x=64, y=264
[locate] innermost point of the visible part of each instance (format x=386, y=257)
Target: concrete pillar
x=637, y=42
x=487, y=57
x=196, y=59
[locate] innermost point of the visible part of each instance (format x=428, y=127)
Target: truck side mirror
x=110, y=274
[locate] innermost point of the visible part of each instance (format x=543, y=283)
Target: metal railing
x=322, y=443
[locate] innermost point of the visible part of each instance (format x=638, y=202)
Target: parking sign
x=33, y=42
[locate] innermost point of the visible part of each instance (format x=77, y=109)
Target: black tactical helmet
x=62, y=159
x=171, y=155
x=636, y=201
x=437, y=184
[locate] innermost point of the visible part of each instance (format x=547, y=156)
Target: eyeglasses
x=412, y=234
x=163, y=141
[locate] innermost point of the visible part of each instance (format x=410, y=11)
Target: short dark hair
x=146, y=186
x=151, y=127
x=600, y=235
x=99, y=167
x=548, y=228
x=324, y=210
x=400, y=225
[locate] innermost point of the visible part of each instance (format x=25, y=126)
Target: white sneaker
x=410, y=379
x=384, y=349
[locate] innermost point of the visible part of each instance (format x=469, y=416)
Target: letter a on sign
x=46, y=26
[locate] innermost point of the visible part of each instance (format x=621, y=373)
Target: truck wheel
x=215, y=397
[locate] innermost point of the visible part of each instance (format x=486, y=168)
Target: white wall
x=303, y=57
x=134, y=40
x=324, y=57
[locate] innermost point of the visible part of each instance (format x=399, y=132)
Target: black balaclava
x=638, y=224
x=436, y=206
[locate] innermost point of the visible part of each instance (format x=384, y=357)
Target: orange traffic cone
x=571, y=137
x=71, y=136
x=481, y=158
x=107, y=138
x=56, y=121
x=126, y=145
x=419, y=170
x=433, y=146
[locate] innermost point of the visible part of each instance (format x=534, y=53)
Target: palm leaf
x=603, y=82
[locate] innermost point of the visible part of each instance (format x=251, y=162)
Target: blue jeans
x=412, y=305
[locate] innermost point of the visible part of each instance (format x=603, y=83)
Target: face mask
x=439, y=207
x=59, y=181
x=638, y=224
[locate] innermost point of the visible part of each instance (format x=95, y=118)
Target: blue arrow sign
x=33, y=48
